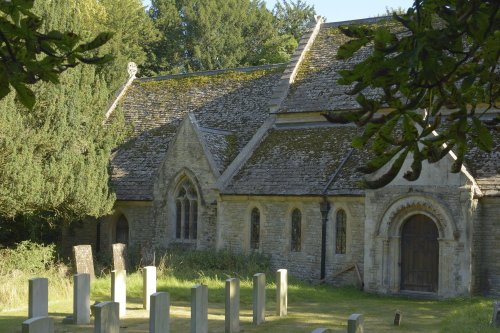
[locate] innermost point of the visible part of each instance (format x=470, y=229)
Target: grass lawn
x=309, y=307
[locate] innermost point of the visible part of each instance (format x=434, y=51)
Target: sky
x=342, y=10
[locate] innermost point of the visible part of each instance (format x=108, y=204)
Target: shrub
x=28, y=260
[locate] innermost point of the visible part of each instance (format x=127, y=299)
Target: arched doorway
x=419, y=254
x=121, y=230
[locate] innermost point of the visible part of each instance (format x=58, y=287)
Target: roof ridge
x=212, y=72
x=356, y=21
x=281, y=90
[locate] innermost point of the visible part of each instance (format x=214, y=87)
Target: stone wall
x=140, y=218
x=233, y=233
x=451, y=208
x=186, y=158
x=336, y=263
x=488, y=245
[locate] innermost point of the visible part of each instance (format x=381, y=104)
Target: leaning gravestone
x=107, y=318
x=159, y=313
x=81, y=299
x=199, y=309
x=232, y=313
x=84, y=262
x=38, y=325
x=496, y=314
x=120, y=258
x=355, y=323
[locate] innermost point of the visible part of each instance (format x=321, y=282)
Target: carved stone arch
x=176, y=181
x=402, y=208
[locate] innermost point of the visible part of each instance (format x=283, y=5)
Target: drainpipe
x=324, y=207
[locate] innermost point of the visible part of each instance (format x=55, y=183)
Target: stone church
x=243, y=160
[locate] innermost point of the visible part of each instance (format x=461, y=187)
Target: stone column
x=199, y=309
x=81, y=298
x=259, y=298
x=148, y=285
x=159, y=313
x=38, y=325
x=107, y=317
x=38, y=297
x=119, y=290
x=281, y=292
x=232, y=314
x=355, y=323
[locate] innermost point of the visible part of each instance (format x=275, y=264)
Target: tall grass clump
x=25, y=261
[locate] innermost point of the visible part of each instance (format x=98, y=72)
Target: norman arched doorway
x=121, y=230
x=419, y=254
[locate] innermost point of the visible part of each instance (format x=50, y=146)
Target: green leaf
x=481, y=135
x=99, y=41
x=24, y=94
x=347, y=50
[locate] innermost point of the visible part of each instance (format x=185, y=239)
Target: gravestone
x=120, y=258
x=355, y=323
x=159, y=313
x=232, y=312
x=148, y=285
x=496, y=314
x=107, y=317
x=38, y=305
x=322, y=330
x=281, y=292
x=119, y=290
x=84, y=262
x=38, y=325
x=199, y=309
x=148, y=255
x=397, y=318
x=259, y=298
x=81, y=299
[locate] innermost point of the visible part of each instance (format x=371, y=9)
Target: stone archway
x=419, y=254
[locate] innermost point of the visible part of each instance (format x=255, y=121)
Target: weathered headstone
x=107, y=317
x=398, y=317
x=199, y=309
x=281, y=292
x=38, y=325
x=84, y=262
x=322, y=330
x=119, y=290
x=496, y=314
x=259, y=298
x=81, y=298
x=120, y=257
x=355, y=323
x=38, y=305
x=148, y=285
x=232, y=313
x=148, y=255
x=159, y=314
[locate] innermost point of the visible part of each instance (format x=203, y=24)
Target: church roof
x=299, y=160
x=229, y=107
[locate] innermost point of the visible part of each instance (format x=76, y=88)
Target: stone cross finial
x=132, y=69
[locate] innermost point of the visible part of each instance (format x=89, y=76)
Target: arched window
x=255, y=229
x=340, y=232
x=121, y=230
x=186, y=210
x=296, y=230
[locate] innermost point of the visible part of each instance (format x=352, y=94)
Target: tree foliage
x=441, y=57
x=54, y=158
x=27, y=55
x=215, y=34
x=293, y=17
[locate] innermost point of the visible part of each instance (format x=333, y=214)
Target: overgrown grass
x=310, y=306
x=25, y=261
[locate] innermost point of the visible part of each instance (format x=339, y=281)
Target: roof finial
x=132, y=69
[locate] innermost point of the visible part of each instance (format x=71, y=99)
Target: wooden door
x=419, y=255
